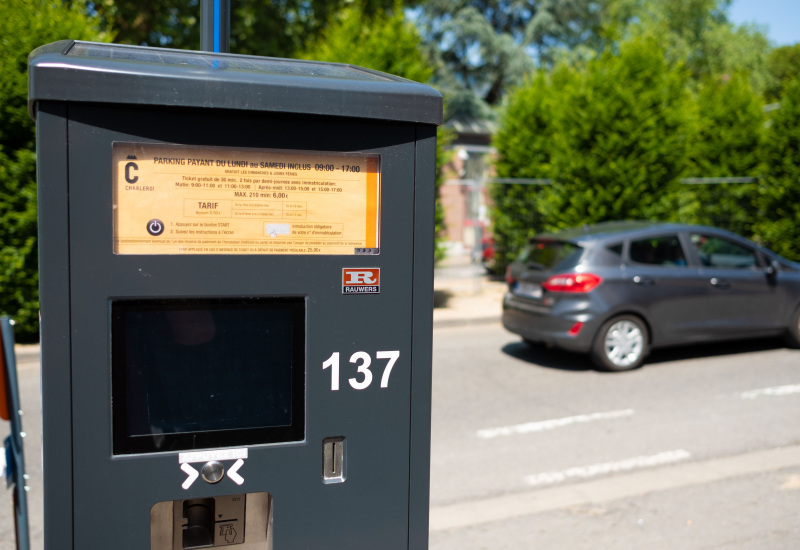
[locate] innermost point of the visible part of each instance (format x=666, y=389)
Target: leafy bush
x=778, y=224
x=613, y=138
x=524, y=145
x=730, y=123
x=24, y=26
x=387, y=43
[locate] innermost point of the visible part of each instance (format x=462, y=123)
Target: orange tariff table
x=192, y=200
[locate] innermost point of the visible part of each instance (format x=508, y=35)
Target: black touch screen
x=203, y=373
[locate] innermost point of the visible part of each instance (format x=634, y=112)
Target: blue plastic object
x=15, y=457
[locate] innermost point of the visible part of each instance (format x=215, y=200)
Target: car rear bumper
x=547, y=325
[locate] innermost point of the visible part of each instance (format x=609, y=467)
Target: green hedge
x=24, y=26
x=616, y=137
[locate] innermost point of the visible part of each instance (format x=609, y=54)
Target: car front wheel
x=621, y=344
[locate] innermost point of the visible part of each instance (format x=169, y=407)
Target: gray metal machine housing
x=357, y=477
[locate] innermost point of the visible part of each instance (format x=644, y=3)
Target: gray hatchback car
x=617, y=290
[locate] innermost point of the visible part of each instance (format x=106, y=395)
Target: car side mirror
x=772, y=270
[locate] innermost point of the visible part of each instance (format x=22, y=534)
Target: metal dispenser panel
x=243, y=521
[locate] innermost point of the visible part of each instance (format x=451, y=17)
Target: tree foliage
x=730, y=123
x=676, y=92
x=24, y=26
x=152, y=23
x=696, y=33
x=621, y=144
x=485, y=47
x=784, y=65
x=612, y=138
x=278, y=28
x=778, y=225
x=443, y=157
x=385, y=42
x=523, y=143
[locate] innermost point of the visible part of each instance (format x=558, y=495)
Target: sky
x=781, y=16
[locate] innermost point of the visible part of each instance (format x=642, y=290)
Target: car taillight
x=572, y=282
x=509, y=279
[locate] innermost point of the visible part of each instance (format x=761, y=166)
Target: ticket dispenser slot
x=197, y=523
x=243, y=521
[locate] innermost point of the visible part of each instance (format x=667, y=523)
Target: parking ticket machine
x=236, y=290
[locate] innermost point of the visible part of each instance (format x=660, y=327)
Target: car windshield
x=550, y=255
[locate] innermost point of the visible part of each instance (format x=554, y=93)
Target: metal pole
x=215, y=25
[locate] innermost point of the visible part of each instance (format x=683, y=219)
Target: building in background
x=465, y=194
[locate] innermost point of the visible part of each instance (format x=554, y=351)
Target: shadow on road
x=554, y=358
x=698, y=351
x=551, y=358
x=441, y=297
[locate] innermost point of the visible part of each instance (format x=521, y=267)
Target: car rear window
x=663, y=251
x=550, y=255
x=616, y=249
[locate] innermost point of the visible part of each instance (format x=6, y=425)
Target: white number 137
x=362, y=360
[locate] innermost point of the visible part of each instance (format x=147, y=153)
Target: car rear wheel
x=621, y=344
x=793, y=332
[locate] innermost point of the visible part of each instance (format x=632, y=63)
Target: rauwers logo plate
x=361, y=280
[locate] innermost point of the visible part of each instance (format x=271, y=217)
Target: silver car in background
x=617, y=290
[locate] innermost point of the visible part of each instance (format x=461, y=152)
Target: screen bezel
x=125, y=444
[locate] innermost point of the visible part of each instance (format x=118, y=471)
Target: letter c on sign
x=128, y=167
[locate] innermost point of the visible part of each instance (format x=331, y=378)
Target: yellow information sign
x=177, y=199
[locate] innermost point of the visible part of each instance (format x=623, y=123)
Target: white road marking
x=668, y=457
x=775, y=391
x=792, y=483
x=463, y=515
x=544, y=425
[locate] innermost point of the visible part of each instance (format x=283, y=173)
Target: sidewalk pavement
x=464, y=294
x=26, y=353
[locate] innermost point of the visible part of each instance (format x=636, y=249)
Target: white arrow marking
x=192, y=473
x=236, y=478
x=668, y=457
x=771, y=392
x=544, y=425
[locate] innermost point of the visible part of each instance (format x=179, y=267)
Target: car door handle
x=643, y=281
x=719, y=283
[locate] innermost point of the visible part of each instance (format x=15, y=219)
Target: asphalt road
x=533, y=449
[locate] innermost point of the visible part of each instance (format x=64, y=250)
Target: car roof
x=622, y=229
x=617, y=231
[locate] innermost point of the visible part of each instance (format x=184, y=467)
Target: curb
x=449, y=323
x=27, y=352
